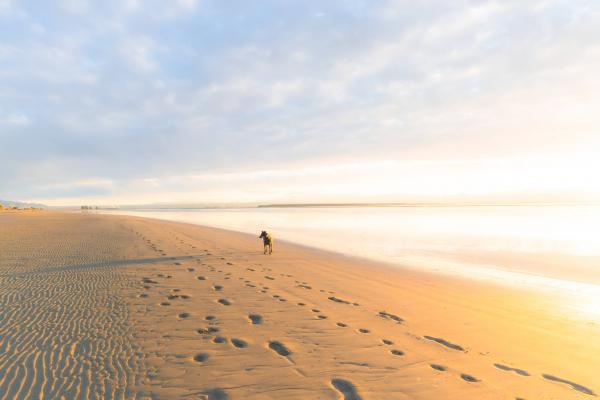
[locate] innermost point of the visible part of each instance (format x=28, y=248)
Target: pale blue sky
x=139, y=101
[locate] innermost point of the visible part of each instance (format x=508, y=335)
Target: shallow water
x=543, y=247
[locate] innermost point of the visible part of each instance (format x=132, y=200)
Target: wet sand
x=123, y=307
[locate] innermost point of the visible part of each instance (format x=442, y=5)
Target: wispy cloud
x=14, y=119
x=134, y=90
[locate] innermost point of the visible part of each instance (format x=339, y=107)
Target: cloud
x=138, y=53
x=5, y=6
x=75, y=6
x=510, y=178
x=126, y=90
x=78, y=189
x=187, y=4
x=14, y=119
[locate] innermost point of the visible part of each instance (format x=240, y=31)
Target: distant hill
x=21, y=204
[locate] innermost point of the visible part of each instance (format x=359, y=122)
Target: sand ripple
x=64, y=330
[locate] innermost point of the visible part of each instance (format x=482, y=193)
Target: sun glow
x=541, y=179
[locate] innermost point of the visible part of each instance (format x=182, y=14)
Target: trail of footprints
x=346, y=388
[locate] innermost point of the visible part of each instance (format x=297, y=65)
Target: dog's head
x=263, y=234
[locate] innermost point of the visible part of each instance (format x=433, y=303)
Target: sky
x=199, y=101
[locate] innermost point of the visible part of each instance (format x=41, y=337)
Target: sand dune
x=122, y=307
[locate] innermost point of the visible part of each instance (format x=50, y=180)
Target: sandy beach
x=99, y=306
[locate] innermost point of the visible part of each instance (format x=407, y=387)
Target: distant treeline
x=8, y=207
x=8, y=204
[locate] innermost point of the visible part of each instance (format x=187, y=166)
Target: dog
x=267, y=241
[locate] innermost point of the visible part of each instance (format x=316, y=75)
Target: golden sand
x=122, y=307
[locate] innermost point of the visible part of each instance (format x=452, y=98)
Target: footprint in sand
x=190, y=269
x=363, y=330
x=387, y=341
x=573, y=385
x=207, y=331
x=214, y=394
x=338, y=300
x=279, y=348
x=143, y=295
x=469, y=378
x=322, y=316
x=209, y=317
x=341, y=324
x=165, y=304
x=397, y=352
x=444, y=342
x=255, y=319
x=219, y=339
x=183, y=315
x=510, y=369
x=393, y=317
x=239, y=343
x=201, y=357
x=201, y=278
x=438, y=367
x=217, y=288
x=346, y=388
x=224, y=302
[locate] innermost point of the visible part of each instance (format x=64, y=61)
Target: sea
x=552, y=248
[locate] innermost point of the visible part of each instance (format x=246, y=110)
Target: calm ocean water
x=545, y=247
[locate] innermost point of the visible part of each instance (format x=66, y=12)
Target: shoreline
x=471, y=330
x=480, y=271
